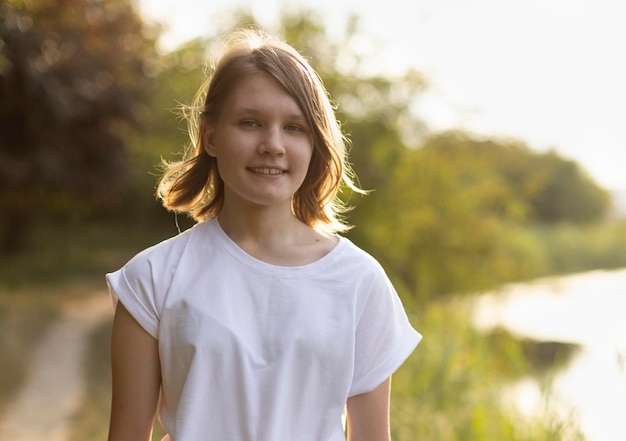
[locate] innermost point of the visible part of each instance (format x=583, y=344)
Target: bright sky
x=549, y=72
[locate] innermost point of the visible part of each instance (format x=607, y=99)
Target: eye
x=249, y=123
x=294, y=128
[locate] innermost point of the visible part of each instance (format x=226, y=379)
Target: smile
x=267, y=171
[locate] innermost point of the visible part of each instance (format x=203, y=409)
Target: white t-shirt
x=257, y=352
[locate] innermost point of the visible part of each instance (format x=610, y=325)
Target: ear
x=208, y=140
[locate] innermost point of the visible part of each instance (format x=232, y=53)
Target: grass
x=61, y=252
x=573, y=248
x=451, y=387
x=93, y=418
x=91, y=422
x=23, y=319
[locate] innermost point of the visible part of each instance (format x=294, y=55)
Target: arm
x=368, y=415
x=136, y=379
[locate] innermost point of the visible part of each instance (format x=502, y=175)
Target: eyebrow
x=253, y=111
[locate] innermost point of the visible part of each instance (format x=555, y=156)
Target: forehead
x=260, y=91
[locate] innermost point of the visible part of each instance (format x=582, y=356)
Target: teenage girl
x=261, y=322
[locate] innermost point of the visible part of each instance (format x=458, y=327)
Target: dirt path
x=55, y=386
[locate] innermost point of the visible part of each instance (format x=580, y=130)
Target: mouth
x=267, y=171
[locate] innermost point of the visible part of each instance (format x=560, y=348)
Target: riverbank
x=585, y=309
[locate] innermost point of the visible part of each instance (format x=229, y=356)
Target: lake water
x=588, y=309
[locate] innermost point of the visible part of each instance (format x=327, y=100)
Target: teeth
x=267, y=171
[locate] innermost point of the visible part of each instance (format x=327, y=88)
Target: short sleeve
x=142, y=284
x=384, y=336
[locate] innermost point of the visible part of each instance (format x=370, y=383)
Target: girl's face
x=262, y=144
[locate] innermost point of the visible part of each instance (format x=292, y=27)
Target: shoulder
x=358, y=265
x=358, y=256
x=155, y=265
x=166, y=253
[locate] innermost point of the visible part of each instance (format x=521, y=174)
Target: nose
x=272, y=142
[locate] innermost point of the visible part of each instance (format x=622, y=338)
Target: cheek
x=310, y=164
x=308, y=155
x=227, y=169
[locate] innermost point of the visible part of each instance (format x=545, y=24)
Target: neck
x=260, y=226
x=274, y=237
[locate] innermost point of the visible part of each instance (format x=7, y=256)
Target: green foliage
x=177, y=77
x=60, y=252
x=451, y=216
x=567, y=194
x=573, y=248
x=523, y=184
x=443, y=228
x=73, y=75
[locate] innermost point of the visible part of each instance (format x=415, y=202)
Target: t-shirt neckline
x=300, y=270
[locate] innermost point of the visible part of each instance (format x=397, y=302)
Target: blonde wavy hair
x=193, y=184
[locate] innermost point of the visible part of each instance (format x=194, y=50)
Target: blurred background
x=491, y=131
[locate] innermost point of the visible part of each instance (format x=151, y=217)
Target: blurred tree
x=178, y=75
x=533, y=186
x=567, y=193
x=458, y=204
x=73, y=75
x=439, y=225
